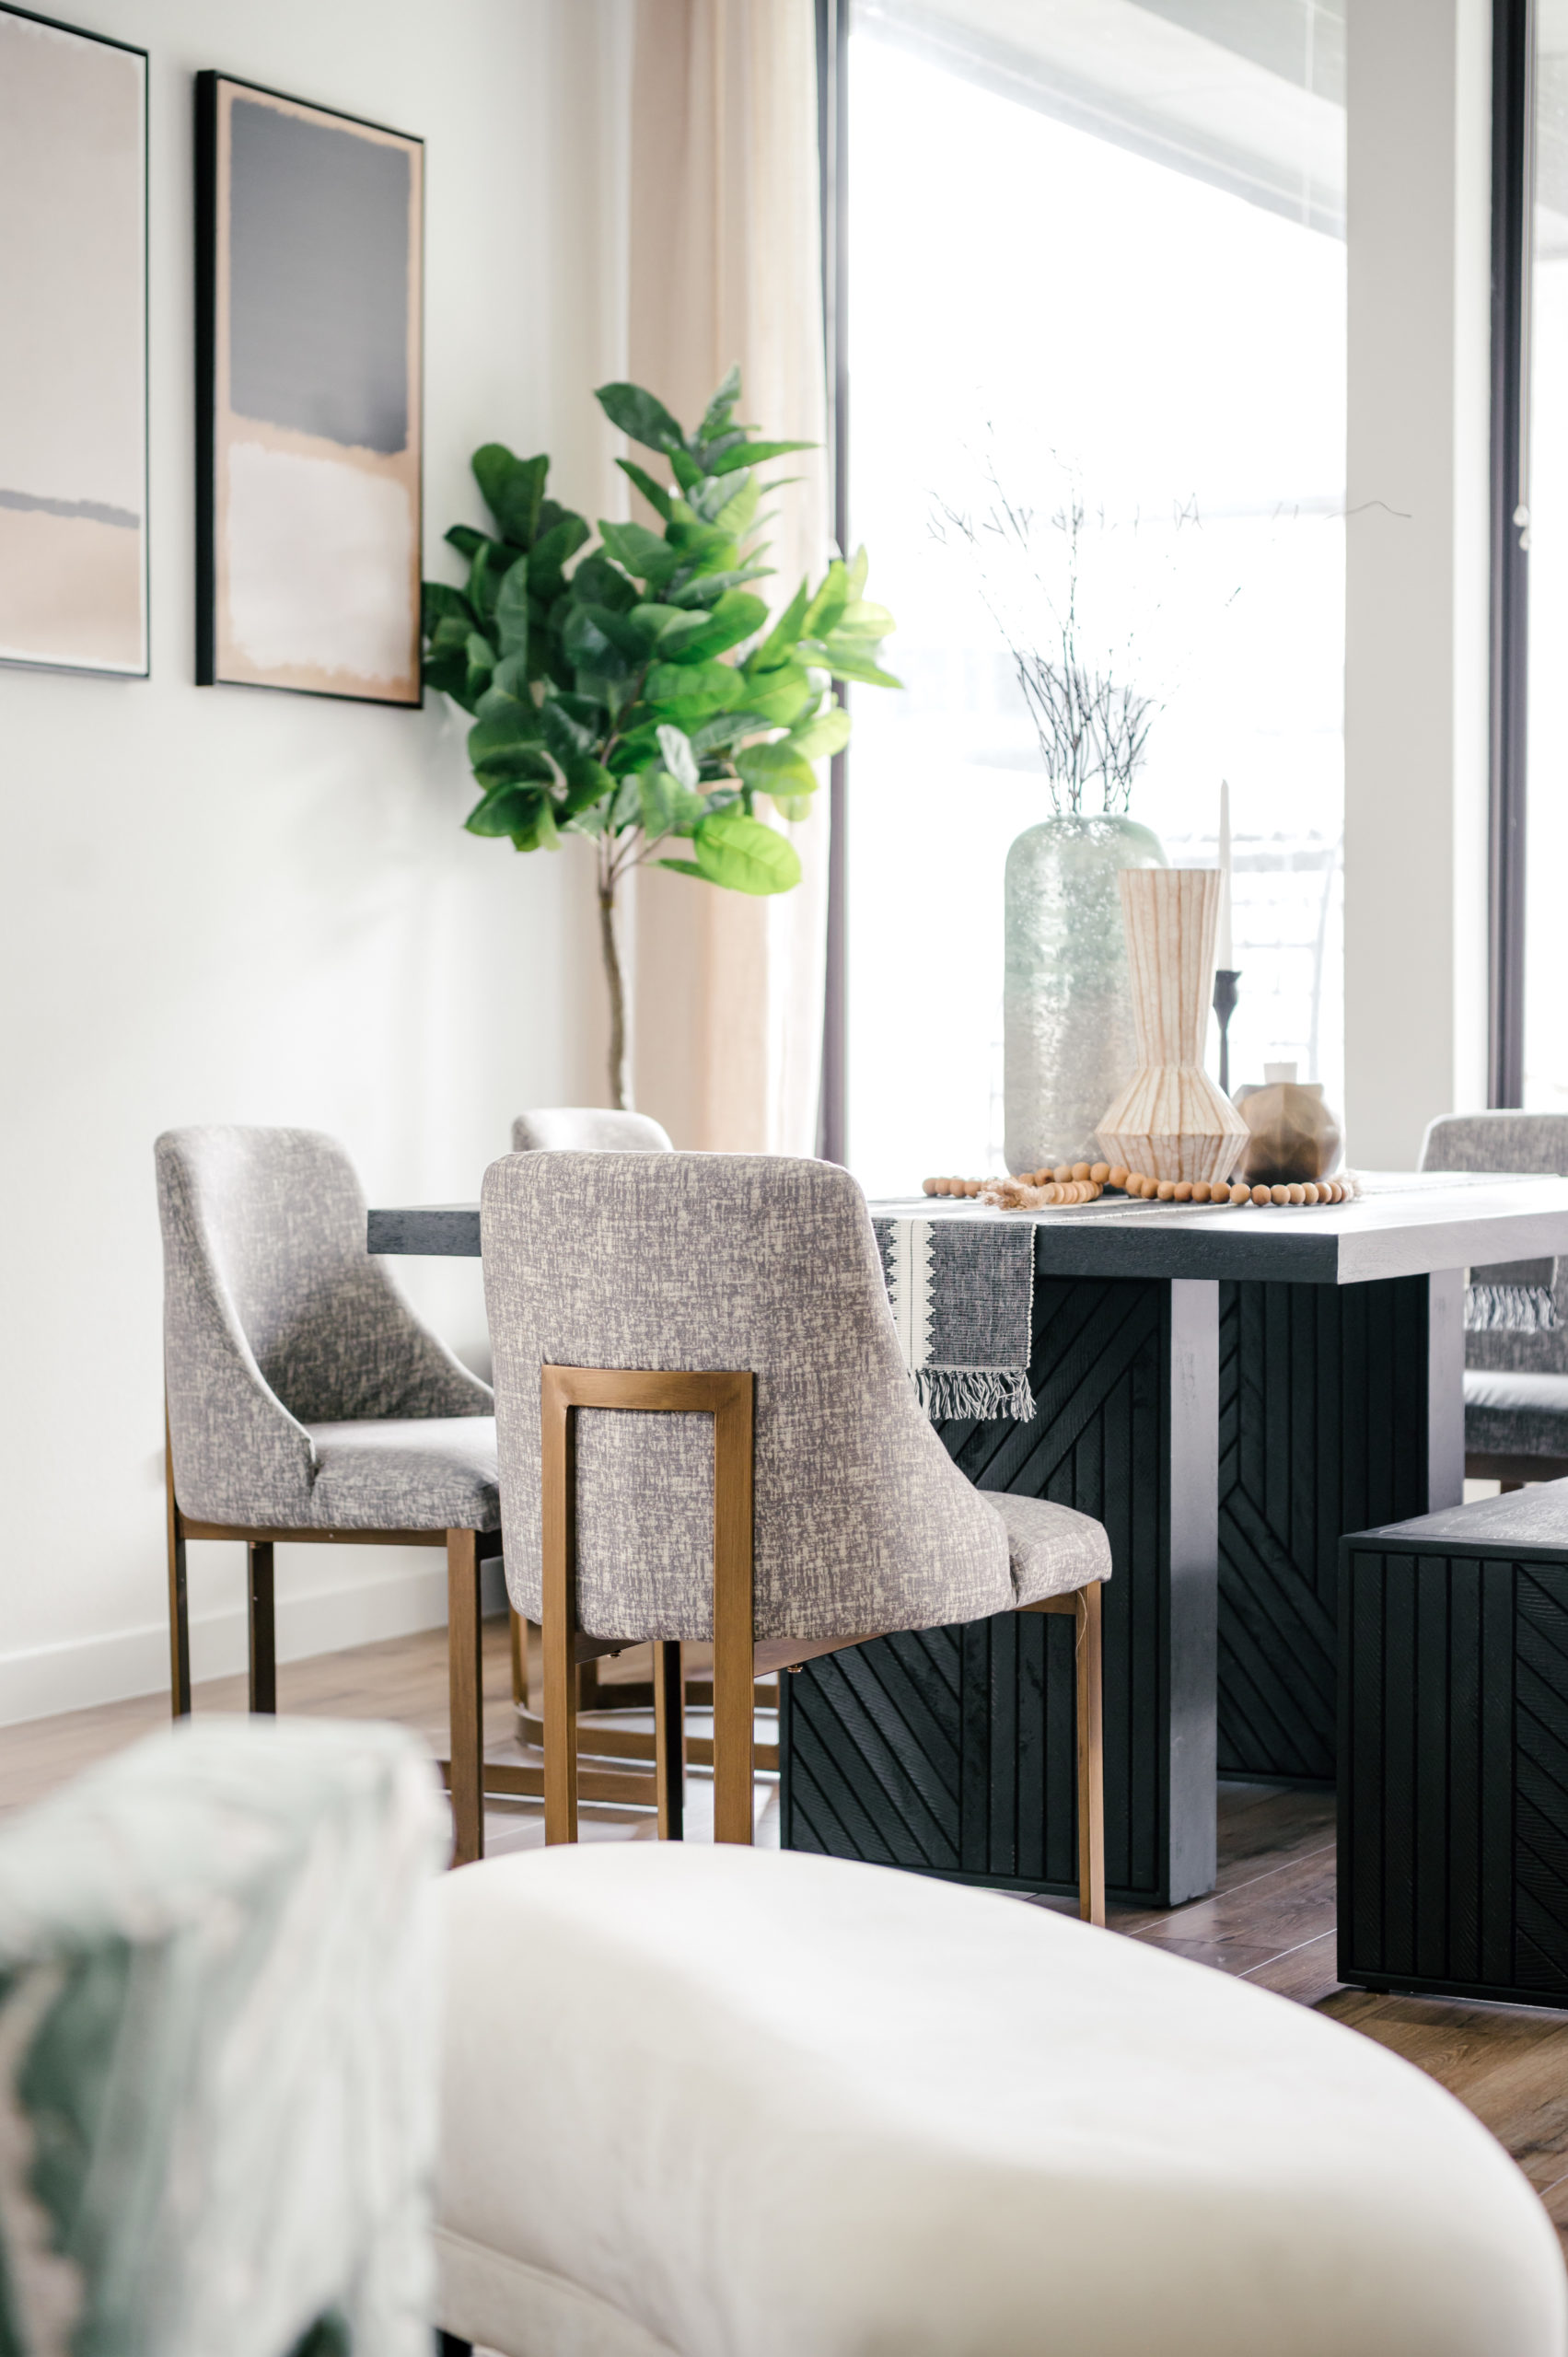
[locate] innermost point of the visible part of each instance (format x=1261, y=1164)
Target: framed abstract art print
x=73, y=348
x=309, y=334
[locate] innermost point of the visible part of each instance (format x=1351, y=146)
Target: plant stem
x=619, y=1083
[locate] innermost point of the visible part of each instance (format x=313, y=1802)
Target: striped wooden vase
x=1171, y=1121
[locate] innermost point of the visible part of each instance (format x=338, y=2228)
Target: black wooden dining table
x=1229, y=1392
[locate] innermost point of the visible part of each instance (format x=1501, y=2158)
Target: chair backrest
x=276, y=1316
x=1509, y=1141
x=738, y=1262
x=217, y=2044
x=586, y=1129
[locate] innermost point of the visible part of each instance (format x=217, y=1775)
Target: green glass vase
x=1067, y=1029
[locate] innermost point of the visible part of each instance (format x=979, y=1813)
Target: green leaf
x=668, y=807
x=782, y=696
x=658, y=499
x=464, y=538
x=626, y=809
x=567, y=739
x=506, y=810
x=736, y=616
x=684, y=467
x=709, y=587
x=793, y=807
x=859, y=565
x=678, y=757
x=754, y=454
x=846, y=662
x=781, y=641
x=776, y=769
x=822, y=614
x=512, y=610
x=512, y=489
x=821, y=737
x=709, y=736
x=507, y=744
x=597, y=582
x=716, y=416
x=443, y=603
x=715, y=684
x=587, y=783
x=861, y=620
x=645, y=555
x=744, y=855
x=641, y=416
x=682, y=867
x=552, y=551
x=634, y=634
x=453, y=630
x=739, y=511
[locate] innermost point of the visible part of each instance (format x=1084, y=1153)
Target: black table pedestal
x=1340, y=1407
x=952, y=1751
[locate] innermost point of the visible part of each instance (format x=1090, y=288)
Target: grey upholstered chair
x=305, y=1401
x=586, y=1129
x=706, y=1429
x=1516, y=1383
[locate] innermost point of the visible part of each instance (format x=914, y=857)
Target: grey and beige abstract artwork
x=310, y=335
x=73, y=348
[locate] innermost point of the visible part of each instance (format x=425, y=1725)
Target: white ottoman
x=735, y=2103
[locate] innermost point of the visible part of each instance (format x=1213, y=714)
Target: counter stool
x=706, y=1429
x=307, y=1404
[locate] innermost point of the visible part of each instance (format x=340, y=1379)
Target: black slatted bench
x=1453, y=1751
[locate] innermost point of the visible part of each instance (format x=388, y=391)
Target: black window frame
x=1512, y=80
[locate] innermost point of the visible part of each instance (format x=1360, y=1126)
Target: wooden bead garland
x=1083, y=1182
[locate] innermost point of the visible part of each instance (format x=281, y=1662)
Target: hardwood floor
x=1270, y=1918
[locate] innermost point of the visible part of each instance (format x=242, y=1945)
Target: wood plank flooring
x=1270, y=1918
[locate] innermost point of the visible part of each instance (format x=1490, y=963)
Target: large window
x=1092, y=252
x=1546, y=498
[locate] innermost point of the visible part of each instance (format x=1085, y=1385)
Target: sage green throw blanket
x=217, y=2038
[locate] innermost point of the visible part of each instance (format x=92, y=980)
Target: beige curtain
x=726, y=265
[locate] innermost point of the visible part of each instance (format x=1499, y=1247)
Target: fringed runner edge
x=975, y=1393
x=1509, y=1309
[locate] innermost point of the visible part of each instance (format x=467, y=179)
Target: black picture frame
x=309, y=397
x=85, y=586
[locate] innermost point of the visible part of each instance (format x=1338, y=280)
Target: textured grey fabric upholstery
x=741, y=1262
x=277, y=1323
x=1515, y=1415
x=407, y=1473
x=1053, y=1550
x=586, y=1129
x=1508, y=1141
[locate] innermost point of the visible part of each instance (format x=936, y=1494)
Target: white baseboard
x=48, y=1679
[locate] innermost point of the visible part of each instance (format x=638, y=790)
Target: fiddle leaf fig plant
x=636, y=689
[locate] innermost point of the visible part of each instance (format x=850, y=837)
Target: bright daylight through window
x=1097, y=260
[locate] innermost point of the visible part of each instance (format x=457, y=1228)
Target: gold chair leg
x=1091, y=1755
x=558, y=1610
x=178, y=1605
x=465, y=1670
x=262, y=1631
x=670, y=1741
x=735, y=1670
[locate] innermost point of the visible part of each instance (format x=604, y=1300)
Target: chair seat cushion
x=1515, y=1415
x=761, y=2104
x=406, y=1473
x=1052, y=1549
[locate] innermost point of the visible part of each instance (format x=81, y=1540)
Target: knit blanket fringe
x=1509, y=1309
x=977, y=1392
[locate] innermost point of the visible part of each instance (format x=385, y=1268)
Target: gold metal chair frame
x=729, y=1398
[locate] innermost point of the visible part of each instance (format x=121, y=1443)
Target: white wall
x=1418, y=211
x=224, y=905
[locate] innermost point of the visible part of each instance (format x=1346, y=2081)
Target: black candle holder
x=1225, y=980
